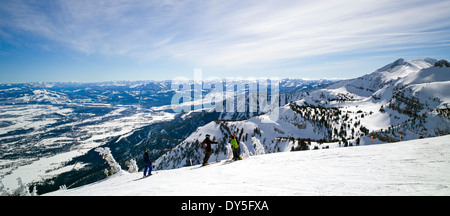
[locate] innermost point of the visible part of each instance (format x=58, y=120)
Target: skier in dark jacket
x=148, y=163
x=206, y=144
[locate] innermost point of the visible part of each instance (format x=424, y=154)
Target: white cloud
x=321, y=28
x=232, y=33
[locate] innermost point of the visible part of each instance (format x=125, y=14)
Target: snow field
x=41, y=168
x=416, y=167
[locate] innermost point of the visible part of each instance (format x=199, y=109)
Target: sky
x=111, y=40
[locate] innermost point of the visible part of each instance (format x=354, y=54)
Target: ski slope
x=399, y=101
x=416, y=167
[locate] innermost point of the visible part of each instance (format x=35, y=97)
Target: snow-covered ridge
x=416, y=167
x=400, y=101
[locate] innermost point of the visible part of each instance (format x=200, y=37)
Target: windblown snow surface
x=415, y=167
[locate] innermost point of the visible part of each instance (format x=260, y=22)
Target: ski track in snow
x=416, y=167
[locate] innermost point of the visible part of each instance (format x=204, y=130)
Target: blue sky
x=90, y=41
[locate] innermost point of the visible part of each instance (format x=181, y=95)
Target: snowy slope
x=273, y=135
x=399, y=101
x=44, y=127
x=416, y=167
x=406, y=98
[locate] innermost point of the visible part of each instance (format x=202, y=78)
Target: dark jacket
x=207, y=144
x=147, y=158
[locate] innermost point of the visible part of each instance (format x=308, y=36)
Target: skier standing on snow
x=148, y=163
x=206, y=144
x=235, y=147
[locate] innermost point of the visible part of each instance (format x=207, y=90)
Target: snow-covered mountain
x=143, y=93
x=415, y=167
x=48, y=131
x=404, y=98
x=399, y=101
x=64, y=123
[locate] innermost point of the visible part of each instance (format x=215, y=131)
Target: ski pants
x=207, y=155
x=148, y=167
x=236, y=153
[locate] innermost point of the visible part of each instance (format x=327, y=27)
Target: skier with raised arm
x=206, y=144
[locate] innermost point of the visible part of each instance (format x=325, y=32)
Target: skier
x=421, y=136
x=206, y=144
x=235, y=147
x=148, y=163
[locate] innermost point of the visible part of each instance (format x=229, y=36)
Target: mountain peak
x=419, y=63
x=399, y=61
x=430, y=60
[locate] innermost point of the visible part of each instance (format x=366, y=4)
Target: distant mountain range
x=48, y=130
x=144, y=93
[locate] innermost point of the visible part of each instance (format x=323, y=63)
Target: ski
x=144, y=177
x=214, y=162
x=203, y=165
x=149, y=175
x=206, y=165
x=231, y=160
